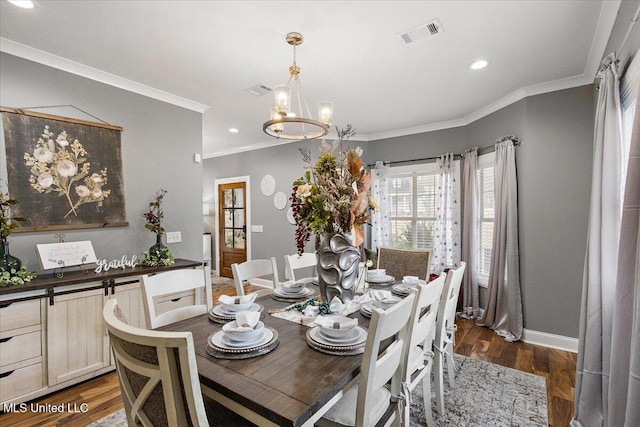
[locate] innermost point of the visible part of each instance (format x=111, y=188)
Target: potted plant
x=158, y=254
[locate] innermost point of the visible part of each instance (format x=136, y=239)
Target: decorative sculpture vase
x=7, y=261
x=158, y=250
x=338, y=263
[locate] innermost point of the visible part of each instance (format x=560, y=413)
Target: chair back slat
x=256, y=269
x=173, y=282
x=297, y=262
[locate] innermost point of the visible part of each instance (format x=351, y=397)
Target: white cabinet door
x=77, y=341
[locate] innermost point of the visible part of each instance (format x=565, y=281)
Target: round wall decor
x=280, y=200
x=290, y=217
x=268, y=185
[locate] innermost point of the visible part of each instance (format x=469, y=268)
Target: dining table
x=292, y=385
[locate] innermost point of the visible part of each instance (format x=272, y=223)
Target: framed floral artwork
x=65, y=173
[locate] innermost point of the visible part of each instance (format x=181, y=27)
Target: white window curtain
x=607, y=391
x=470, y=238
x=504, y=305
x=446, y=244
x=380, y=218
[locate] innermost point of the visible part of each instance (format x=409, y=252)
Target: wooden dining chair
x=422, y=327
x=370, y=402
x=157, y=373
x=253, y=273
x=188, y=287
x=445, y=333
x=297, y=262
x=405, y=262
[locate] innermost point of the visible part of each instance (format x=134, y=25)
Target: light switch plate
x=256, y=228
x=174, y=237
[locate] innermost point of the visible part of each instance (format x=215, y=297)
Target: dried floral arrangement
x=158, y=254
x=155, y=214
x=61, y=167
x=333, y=196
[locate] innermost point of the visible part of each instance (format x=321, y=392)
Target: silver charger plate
x=294, y=299
x=304, y=293
x=216, y=315
x=365, y=310
x=335, y=351
x=242, y=353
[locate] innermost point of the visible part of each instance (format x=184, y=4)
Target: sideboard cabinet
x=52, y=333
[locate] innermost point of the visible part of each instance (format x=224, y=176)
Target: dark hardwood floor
x=102, y=394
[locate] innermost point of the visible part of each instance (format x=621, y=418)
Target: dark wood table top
x=286, y=385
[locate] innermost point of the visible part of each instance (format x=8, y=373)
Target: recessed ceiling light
x=479, y=64
x=234, y=130
x=25, y=4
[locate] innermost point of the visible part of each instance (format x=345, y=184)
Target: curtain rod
x=483, y=150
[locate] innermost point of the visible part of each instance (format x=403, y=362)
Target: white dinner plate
x=221, y=311
x=401, y=289
x=380, y=279
x=221, y=340
x=317, y=336
x=303, y=294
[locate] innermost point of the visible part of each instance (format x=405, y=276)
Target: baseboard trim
x=545, y=339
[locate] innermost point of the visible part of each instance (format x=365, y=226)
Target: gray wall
x=158, y=143
x=554, y=170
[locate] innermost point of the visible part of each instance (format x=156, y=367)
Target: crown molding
x=36, y=55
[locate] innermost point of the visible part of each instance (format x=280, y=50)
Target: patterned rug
x=220, y=283
x=486, y=394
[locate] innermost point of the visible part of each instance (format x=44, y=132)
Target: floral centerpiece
x=158, y=254
x=332, y=201
x=12, y=272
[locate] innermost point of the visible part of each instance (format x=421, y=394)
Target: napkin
x=336, y=322
x=246, y=321
x=311, y=310
x=238, y=299
x=383, y=296
x=293, y=287
x=336, y=305
x=410, y=279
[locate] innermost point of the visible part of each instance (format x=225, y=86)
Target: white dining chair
x=370, y=402
x=297, y=262
x=157, y=373
x=445, y=333
x=422, y=327
x=189, y=285
x=253, y=272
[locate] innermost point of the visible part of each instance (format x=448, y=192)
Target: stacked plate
x=380, y=279
x=366, y=309
x=351, y=343
x=223, y=313
x=226, y=344
x=292, y=292
x=403, y=289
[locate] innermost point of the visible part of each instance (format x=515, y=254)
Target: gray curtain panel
x=591, y=406
x=624, y=388
x=504, y=306
x=470, y=248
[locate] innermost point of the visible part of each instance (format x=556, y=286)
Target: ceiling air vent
x=259, y=89
x=429, y=29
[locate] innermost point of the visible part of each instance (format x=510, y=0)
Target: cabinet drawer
x=173, y=301
x=20, y=347
x=19, y=314
x=21, y=381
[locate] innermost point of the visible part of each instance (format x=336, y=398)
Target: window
x=486, y=208
x=412, y=212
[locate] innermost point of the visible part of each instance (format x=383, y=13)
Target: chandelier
x=290, y=118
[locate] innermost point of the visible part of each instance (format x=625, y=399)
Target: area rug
x=219, y=283
x=485, y=395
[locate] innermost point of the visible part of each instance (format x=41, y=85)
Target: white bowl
x=235, y=308
x=292, y=288
x=337, y=333
x=377, y=272
x=242, y=336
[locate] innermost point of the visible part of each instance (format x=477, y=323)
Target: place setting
x=337, y=335
x=382, y=299
x=292, y=291
x=242, y=338
x=230, y=306
x=408, y=283
x=379, y=277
